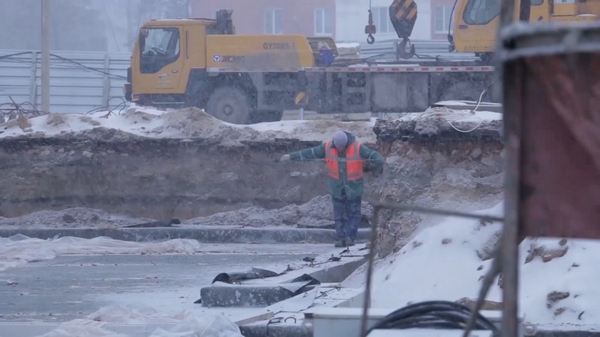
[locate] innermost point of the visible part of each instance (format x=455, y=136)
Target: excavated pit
x=427, y=163
x=152, y=178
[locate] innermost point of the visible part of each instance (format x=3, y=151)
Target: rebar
x=12, y=110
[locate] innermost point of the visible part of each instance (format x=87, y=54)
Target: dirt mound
x=195, y=123
x=177, y=124
x=317, y=213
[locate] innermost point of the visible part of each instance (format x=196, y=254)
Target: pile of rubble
x=78, y=217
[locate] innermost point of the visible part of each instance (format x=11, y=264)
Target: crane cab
x=476, y=21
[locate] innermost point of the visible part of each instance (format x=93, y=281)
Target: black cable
x=13, y=55
x=434, y=315
x=86, y=67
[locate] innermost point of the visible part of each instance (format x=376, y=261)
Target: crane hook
x=370, y=29
x=370, y=39
x=401, y=51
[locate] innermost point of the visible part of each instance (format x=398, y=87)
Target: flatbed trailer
x=353, y=89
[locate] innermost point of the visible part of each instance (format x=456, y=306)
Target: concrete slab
x=313, y=115
x=202, y=234
x=469, y=105
x=261, y=292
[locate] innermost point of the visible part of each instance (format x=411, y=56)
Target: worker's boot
x=349, y=242
x=340, y=243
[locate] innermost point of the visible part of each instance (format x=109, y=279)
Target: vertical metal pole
x=512, y=133
x=301, y=113
x=33, y=79
x=46, y=55
x=106, y=82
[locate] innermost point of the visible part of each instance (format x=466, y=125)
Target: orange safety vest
x=354, y=163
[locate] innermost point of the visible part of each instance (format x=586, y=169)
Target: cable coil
x=434, y=315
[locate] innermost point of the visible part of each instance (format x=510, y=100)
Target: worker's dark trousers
x=346, y=214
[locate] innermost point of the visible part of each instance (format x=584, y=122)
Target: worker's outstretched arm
x=373, y=158
x=317, y=152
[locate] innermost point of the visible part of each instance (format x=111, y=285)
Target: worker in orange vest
x=346, y=159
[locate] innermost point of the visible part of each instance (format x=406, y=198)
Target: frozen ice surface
x=77, y=284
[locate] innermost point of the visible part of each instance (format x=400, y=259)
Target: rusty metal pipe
x=367, y=298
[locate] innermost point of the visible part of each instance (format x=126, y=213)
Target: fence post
x=106, y=81
x=33, y=79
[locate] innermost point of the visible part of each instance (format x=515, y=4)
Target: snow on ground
x=195, y=123
x=78, y=217
x=184, y=123
x=445, y=262
x=19, y=249
x=184, y=323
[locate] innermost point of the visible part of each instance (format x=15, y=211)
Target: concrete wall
x=352, y=17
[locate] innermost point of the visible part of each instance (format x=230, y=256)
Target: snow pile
x=78, y=217
x=19, y=249
x=448, y=261
x=184, y=123
x=185, y=324
x=317, y=213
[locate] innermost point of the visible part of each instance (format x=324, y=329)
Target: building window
x=381, y=20
x=442, y=19
x=274, y=21
x=324, y=21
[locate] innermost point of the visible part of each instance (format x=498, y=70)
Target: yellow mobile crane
x=475, y=21
x=254, y=78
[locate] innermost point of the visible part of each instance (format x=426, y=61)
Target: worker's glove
x=376, y=171
x=284, y=158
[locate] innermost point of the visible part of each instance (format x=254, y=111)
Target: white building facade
x=352, y=17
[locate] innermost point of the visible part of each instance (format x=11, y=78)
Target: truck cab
x=203, y=63
x=163, y=54
x=476, y=21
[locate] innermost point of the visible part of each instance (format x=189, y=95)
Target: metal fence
x=79, y=81
x=83, y=81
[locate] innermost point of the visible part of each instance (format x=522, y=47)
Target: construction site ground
x=140, y=288
x=143, y=170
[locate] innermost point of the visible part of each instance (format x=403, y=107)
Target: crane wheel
x=230, y=105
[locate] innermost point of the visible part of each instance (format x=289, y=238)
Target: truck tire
x=230, y=105
x=464, y=91
x=267, y=116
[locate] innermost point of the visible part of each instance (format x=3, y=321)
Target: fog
x=111, y=25
x=83, y=25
